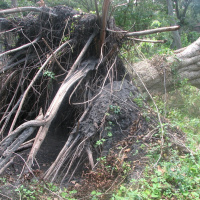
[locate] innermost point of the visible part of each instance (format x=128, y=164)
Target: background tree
x=176, y=37
x=14, y=3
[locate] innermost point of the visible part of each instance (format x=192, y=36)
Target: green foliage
x=34, y=190
x=183, y=110
x=139, y=101
x=49, y=74
x=95, y=195
x=26, y=193
x=21, y=3
x=3, y=180
x=115, y=109
x=176, y=178
x=188, y=37
x=100, y=142
x=177, y=174
x=4, y=5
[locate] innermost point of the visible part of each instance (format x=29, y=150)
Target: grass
x=177, y=174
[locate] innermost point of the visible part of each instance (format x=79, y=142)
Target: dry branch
x=20, y=48
x=32, y=82
x=152, y=31
x=54, y=57
x=55, y=105
x=27, y=9
x=146, y=32
x=32, y=123
x=149, y=41
x=9, y=145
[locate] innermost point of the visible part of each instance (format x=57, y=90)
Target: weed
x=176, y=175
x=100, y=142
x=3, y=180
x=115, y=109
x=49, y=74
x=95, y=195
x=26, y=193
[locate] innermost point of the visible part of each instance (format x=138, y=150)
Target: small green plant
x=109, y=128
x=49, y=74
x=68, y=194
x=177, y=179
x=146, y=115
x=3, y=180
x=52, y=187
x=102, y=159
x=115, y=109
x=126, y=168
x=139, y=101
x=26, y=193
x=100, y=142
x=95, y=195
x=66, y=38
x=109, y=134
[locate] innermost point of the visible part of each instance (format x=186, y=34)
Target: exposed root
x=66, y=64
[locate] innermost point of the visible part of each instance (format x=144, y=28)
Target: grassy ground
x=177, y=175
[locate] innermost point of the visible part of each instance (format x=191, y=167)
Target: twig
x=79, y=58
x=3, y=32
x=26, y=165
x=151, y=31
x=113, y=31
x=6, y=165
x=54, y=57
x=19, y=48
x=6, y=83
x=26, y=146
x=113, y=9
x=7, y=197
x=7, y=67
x=90, y=157
x=150, y=41
x=147, y=32
x=33, y=81
x=157, y=111
x=9, y=116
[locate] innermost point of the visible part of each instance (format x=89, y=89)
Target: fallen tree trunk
x=166, y=72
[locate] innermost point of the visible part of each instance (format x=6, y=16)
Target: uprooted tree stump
x=64, y=76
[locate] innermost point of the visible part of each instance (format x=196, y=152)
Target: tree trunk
x=176, y=36
x=14, y=3
x=166, y=72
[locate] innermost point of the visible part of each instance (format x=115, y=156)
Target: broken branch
x=19, y=48
x=150, y=41
x=152, y=31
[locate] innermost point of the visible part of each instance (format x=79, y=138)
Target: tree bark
x=166, y=72
x=14, y=3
